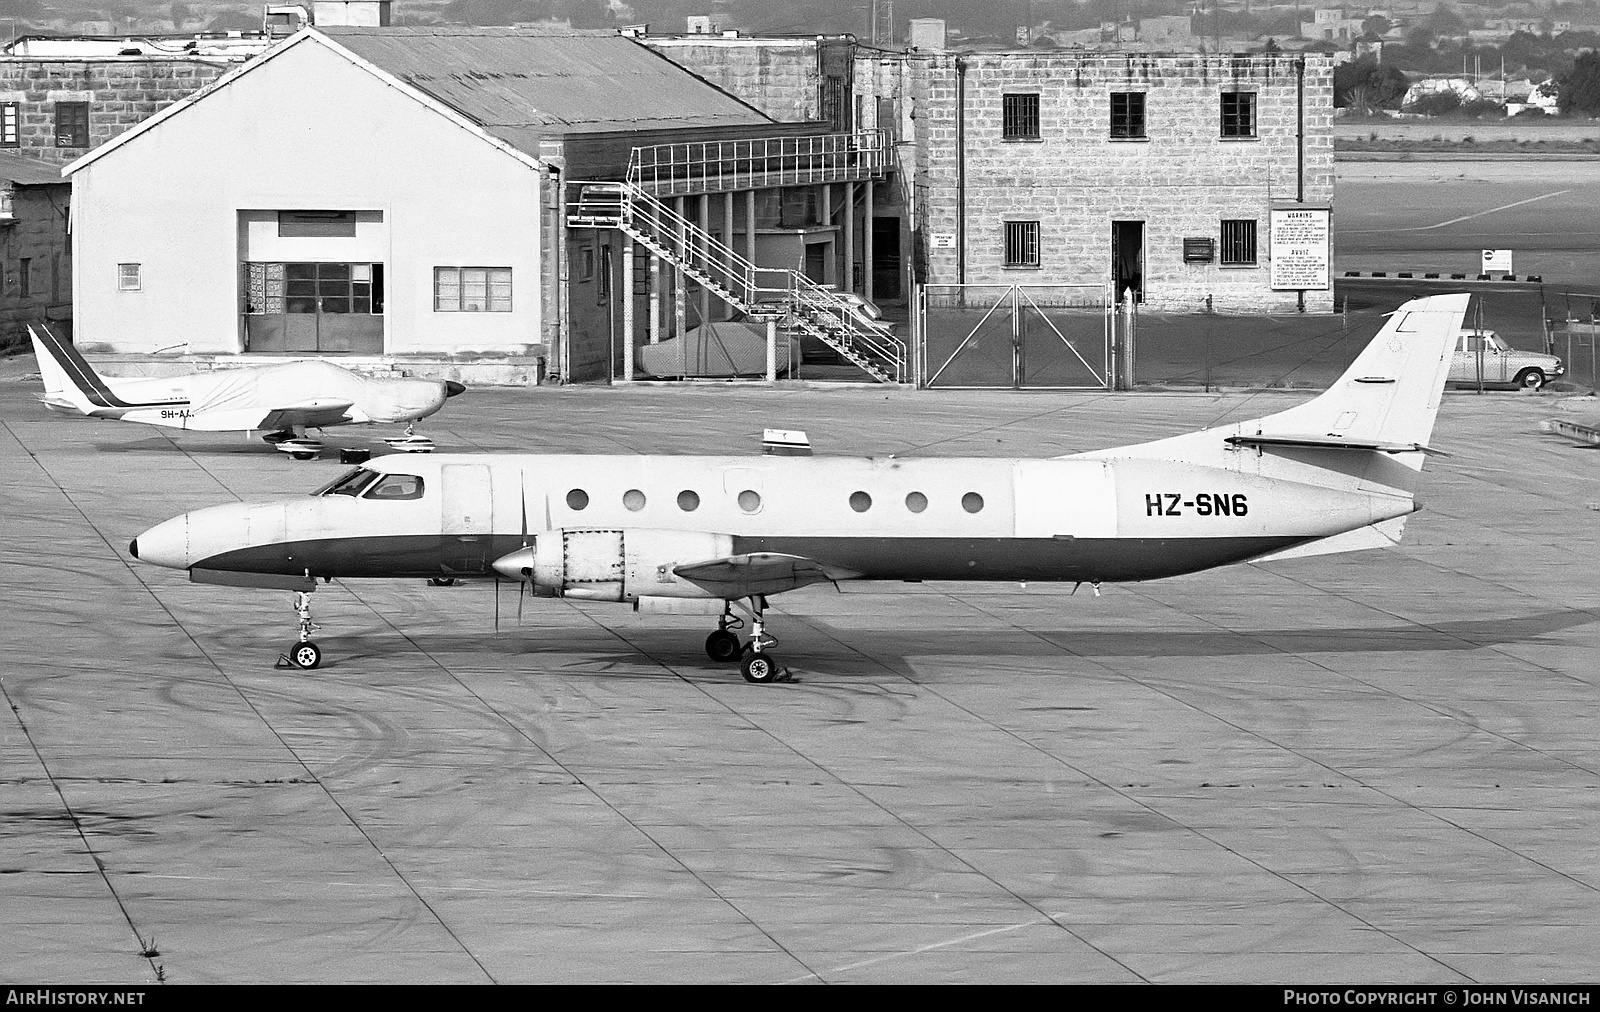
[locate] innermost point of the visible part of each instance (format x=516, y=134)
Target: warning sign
x=1301, y=248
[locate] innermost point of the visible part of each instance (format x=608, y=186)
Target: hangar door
x=312, y=281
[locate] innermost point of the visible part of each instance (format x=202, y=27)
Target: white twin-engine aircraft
x=708, y=534
x=283, y=400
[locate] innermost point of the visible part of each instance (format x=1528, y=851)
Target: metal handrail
x=757, y=162
x=736, y=279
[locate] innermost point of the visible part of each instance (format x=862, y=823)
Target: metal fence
x=1015, y=336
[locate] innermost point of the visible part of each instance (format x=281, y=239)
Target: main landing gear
x=758, y=665
x=304, y=654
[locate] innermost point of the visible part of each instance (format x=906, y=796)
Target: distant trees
x=1365, y=85
x=1580, y=86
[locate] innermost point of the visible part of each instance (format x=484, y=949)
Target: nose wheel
x=304, y=654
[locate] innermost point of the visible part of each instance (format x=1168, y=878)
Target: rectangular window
x=472, y=289
x=1022, y=244
x=586, y=264
x=25, y=277
x=1127, y=114
x=1239, y=114
x=9, y=137
x=72, y=124
x=1239, y=243
x=316, y=224
x=129, y=278
x=1020, y=117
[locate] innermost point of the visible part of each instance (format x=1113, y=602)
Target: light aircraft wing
x=313, y=414
x=757, y=573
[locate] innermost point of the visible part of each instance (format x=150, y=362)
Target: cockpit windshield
x=350, y=483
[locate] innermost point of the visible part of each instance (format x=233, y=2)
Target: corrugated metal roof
x=28, y=171
x=521, y=84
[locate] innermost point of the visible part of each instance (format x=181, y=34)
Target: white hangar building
x=400, y=194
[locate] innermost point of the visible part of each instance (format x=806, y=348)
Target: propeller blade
x=497, y=604
x=522, y=477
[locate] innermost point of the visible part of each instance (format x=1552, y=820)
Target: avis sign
x=1496, y=260
x=1301, y=248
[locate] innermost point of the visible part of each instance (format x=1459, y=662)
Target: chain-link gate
x=1017, y=336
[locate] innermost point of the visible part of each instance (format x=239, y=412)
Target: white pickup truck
x=1483, y=357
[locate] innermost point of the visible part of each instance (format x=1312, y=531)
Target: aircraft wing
x=758, y=573
x=313, y=414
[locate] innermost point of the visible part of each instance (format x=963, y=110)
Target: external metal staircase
x=762, y=293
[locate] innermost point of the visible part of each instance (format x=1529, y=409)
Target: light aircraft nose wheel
x=759, y=668
x=306, y=655
x=722, y=646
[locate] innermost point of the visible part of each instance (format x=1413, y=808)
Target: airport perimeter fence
x=1014, y=336
x=1311, y=351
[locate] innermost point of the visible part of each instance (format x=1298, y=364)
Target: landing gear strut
x=758, y=664
x=305, y=654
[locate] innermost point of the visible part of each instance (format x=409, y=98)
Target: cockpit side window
x=396, y=486
x=349, y=483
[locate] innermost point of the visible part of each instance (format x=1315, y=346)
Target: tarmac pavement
x=1377, y=767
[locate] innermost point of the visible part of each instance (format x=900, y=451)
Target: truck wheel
x=1530, y=379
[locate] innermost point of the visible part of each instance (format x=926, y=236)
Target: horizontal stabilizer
x=1331, y=443
x=263, y=581
x=1380, y=535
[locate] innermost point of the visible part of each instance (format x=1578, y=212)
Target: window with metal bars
x=1019, y=117
x=1022, y=244
x=1239, y=242
x=1238, y=114
x=1127, y=114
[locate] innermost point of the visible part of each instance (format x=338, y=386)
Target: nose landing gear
x=304, y=654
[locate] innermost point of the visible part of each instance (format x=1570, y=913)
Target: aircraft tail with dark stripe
x=68, y=378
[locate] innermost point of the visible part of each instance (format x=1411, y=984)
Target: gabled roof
x=524, y=83
x=510, y=86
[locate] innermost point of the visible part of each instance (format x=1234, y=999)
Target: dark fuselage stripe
x=1038, y=559
x=82, y=375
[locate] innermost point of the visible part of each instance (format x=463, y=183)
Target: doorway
x=1127, y=259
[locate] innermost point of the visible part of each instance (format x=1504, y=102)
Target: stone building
x=34, y=247
x=1156, y=174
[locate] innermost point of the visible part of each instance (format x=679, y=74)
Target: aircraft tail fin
x=1389, y=397
x=68, y=378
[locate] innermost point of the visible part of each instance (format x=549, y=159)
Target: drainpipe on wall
x=558, y=302
x=1300, y=149
x=961, y=170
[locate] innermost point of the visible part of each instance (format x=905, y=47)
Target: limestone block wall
x=121, y=92
x=34, y=240
x=1182, y=179
x=780, y=77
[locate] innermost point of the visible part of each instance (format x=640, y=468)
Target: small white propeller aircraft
x=284, y=400
x=708, y=534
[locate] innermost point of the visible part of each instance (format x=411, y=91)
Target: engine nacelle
x=610, y=565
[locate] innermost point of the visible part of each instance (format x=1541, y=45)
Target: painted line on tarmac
x=1452, y=221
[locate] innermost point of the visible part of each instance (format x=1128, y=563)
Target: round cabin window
x=916, y=502
x=860, y=502
x=750, y=500
x=972, y=502
x=633, y=500
x=688, y=501
x=577, y=499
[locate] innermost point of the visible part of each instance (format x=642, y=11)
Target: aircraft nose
x=165, y=544
x=451, y=388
